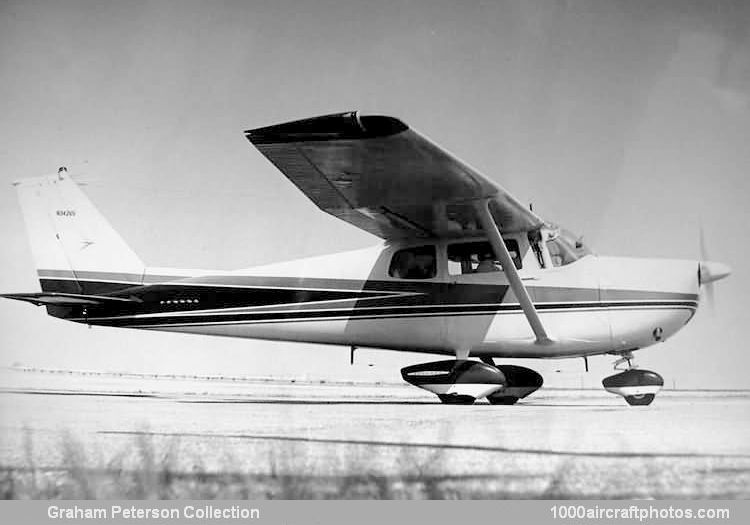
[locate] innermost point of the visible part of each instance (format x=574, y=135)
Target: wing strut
x=514, y=280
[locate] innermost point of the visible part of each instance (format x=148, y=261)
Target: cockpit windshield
x=565, y=247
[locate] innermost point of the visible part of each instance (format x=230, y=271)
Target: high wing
x=383, y=177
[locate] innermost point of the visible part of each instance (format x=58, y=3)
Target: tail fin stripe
x=127, y=278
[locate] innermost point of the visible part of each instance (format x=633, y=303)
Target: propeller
x=709, y=271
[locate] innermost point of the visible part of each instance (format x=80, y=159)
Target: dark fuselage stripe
x=364, y=318
x=371, y=313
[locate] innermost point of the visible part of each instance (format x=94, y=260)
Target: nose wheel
x=638, y=387
x=642, y=399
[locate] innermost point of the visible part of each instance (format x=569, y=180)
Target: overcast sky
x=626, y=121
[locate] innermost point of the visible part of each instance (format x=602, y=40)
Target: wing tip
x=337, y=126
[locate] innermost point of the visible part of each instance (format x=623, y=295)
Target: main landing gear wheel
x=638, y=387
x=455, y=399
x=502, y=400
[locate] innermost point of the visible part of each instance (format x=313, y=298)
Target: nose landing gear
x=638, y=387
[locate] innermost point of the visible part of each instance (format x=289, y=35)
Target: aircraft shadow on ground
x=389, y=402
x=306, y=402
x=207, y=399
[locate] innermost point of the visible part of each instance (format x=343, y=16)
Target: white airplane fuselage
x=591, y=306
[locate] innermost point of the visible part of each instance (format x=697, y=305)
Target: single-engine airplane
x=465, y=270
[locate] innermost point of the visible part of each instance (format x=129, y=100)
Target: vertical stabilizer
x=69, y=238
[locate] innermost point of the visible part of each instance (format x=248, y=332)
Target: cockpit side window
x=478, y=257
x=414, y=263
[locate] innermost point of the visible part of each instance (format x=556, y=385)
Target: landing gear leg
x=638, y=387
x=456, y=393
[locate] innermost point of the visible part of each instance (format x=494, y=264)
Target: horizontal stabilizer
x=66, y=299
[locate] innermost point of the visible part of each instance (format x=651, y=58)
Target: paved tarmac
x=557, y=443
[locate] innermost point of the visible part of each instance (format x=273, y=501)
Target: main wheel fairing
x=462, y=378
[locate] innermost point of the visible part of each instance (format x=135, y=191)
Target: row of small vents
x=179, y=301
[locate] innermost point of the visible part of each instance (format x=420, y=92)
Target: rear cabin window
x=478, y=257
x=414, y=263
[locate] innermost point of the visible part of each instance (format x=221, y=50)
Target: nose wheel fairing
x=638, y=387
